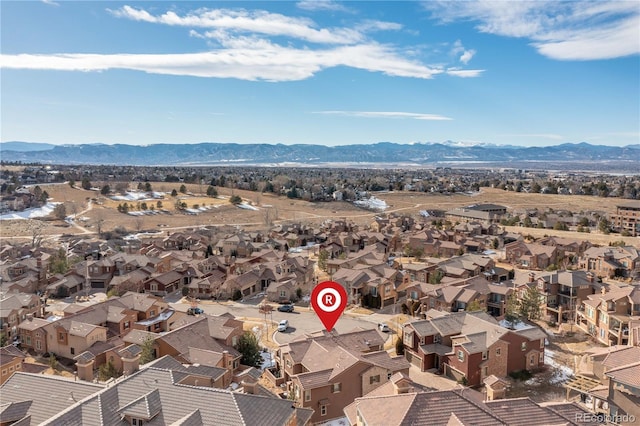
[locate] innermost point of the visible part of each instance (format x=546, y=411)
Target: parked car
x=285, y=308
x=283, y=325
x=383, y=327
x=194, y=311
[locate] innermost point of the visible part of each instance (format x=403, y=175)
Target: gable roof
x=48, y=394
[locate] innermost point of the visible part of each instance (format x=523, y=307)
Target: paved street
x=301, y=321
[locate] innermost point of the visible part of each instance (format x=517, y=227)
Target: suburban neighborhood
x=440, y=307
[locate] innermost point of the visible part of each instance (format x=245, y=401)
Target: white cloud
x=316, y=5
x=464, y=73
x=466, y=56
x=387, y=114
x=244, y=61
x=565, y=30
x=244, y=21
x=240, y=48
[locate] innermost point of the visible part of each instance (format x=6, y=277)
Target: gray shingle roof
x=178, y=403
x=49, y=394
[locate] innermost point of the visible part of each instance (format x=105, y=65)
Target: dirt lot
x=564, y=349
x=279, y=209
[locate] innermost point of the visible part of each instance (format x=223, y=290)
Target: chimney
x=590, y=276
x=532, y=277
x=603, y=290
x=30, y=317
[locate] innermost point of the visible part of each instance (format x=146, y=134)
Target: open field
x=104, y=212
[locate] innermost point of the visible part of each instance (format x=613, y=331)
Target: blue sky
x=321, y=72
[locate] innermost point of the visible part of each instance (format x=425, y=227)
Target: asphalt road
x=302, y=320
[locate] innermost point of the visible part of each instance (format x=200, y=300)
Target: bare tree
x=139, y=223
x=36, y=227
x=99, y=221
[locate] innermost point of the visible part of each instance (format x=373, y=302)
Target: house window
x=421, y=340
x=73, y=351
x=374, y=291
x=61, y=337
x=288, y=362
x=532, y=360
x=484, y=355
x=541, y=357
x=523, y=346
x=4, y=372
x=152, y=313
x=498, y=351
x=38, y=345
x=374, y=379
x=541, y=343
x=408, y=339
x=127, y=325
x=437, y=338
x=337, y=387
x=307, y=395
x=414, y=295
x=28, y=340
x=153, y=287
x=137, y=422
x=283, y=293
x=460, y=356
x=323, y=410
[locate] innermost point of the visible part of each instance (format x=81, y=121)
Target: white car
x=383, y=327
x=283, y=325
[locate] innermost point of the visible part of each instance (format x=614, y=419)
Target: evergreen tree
x=512, y=311
x=530, y=304
x=250, y=349
x=148, y=353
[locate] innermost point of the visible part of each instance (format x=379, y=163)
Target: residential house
x=326, y=373
x=11, y=361
x=15, y=308
x=607, y=315
x=627, y=218
x=470, y=346
x=164, y=283
x=403, y=402
x=175, y=397
x=563, y=293
x=609, y=262
x=530, y=255
x=32, y=335
x=624, y=393
x=208, y=340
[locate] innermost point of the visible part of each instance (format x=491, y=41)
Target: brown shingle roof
x=628, y=374
x=523, y=411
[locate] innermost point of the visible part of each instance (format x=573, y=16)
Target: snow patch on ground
x=372, y=203
x=247, y=207
x=138, y=196
x=561, y=373
x=30, y=213
x=342, y=421
x=267, y=361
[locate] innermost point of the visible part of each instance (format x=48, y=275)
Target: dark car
x=194, y=311
x=285, y=308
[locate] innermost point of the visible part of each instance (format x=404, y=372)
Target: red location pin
x=329, y=299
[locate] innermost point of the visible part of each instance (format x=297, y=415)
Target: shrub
x=237, y=295
x=399, y=347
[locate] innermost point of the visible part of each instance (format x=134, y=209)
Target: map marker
x=328, y=300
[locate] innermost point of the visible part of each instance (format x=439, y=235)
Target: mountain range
x=383, y=153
